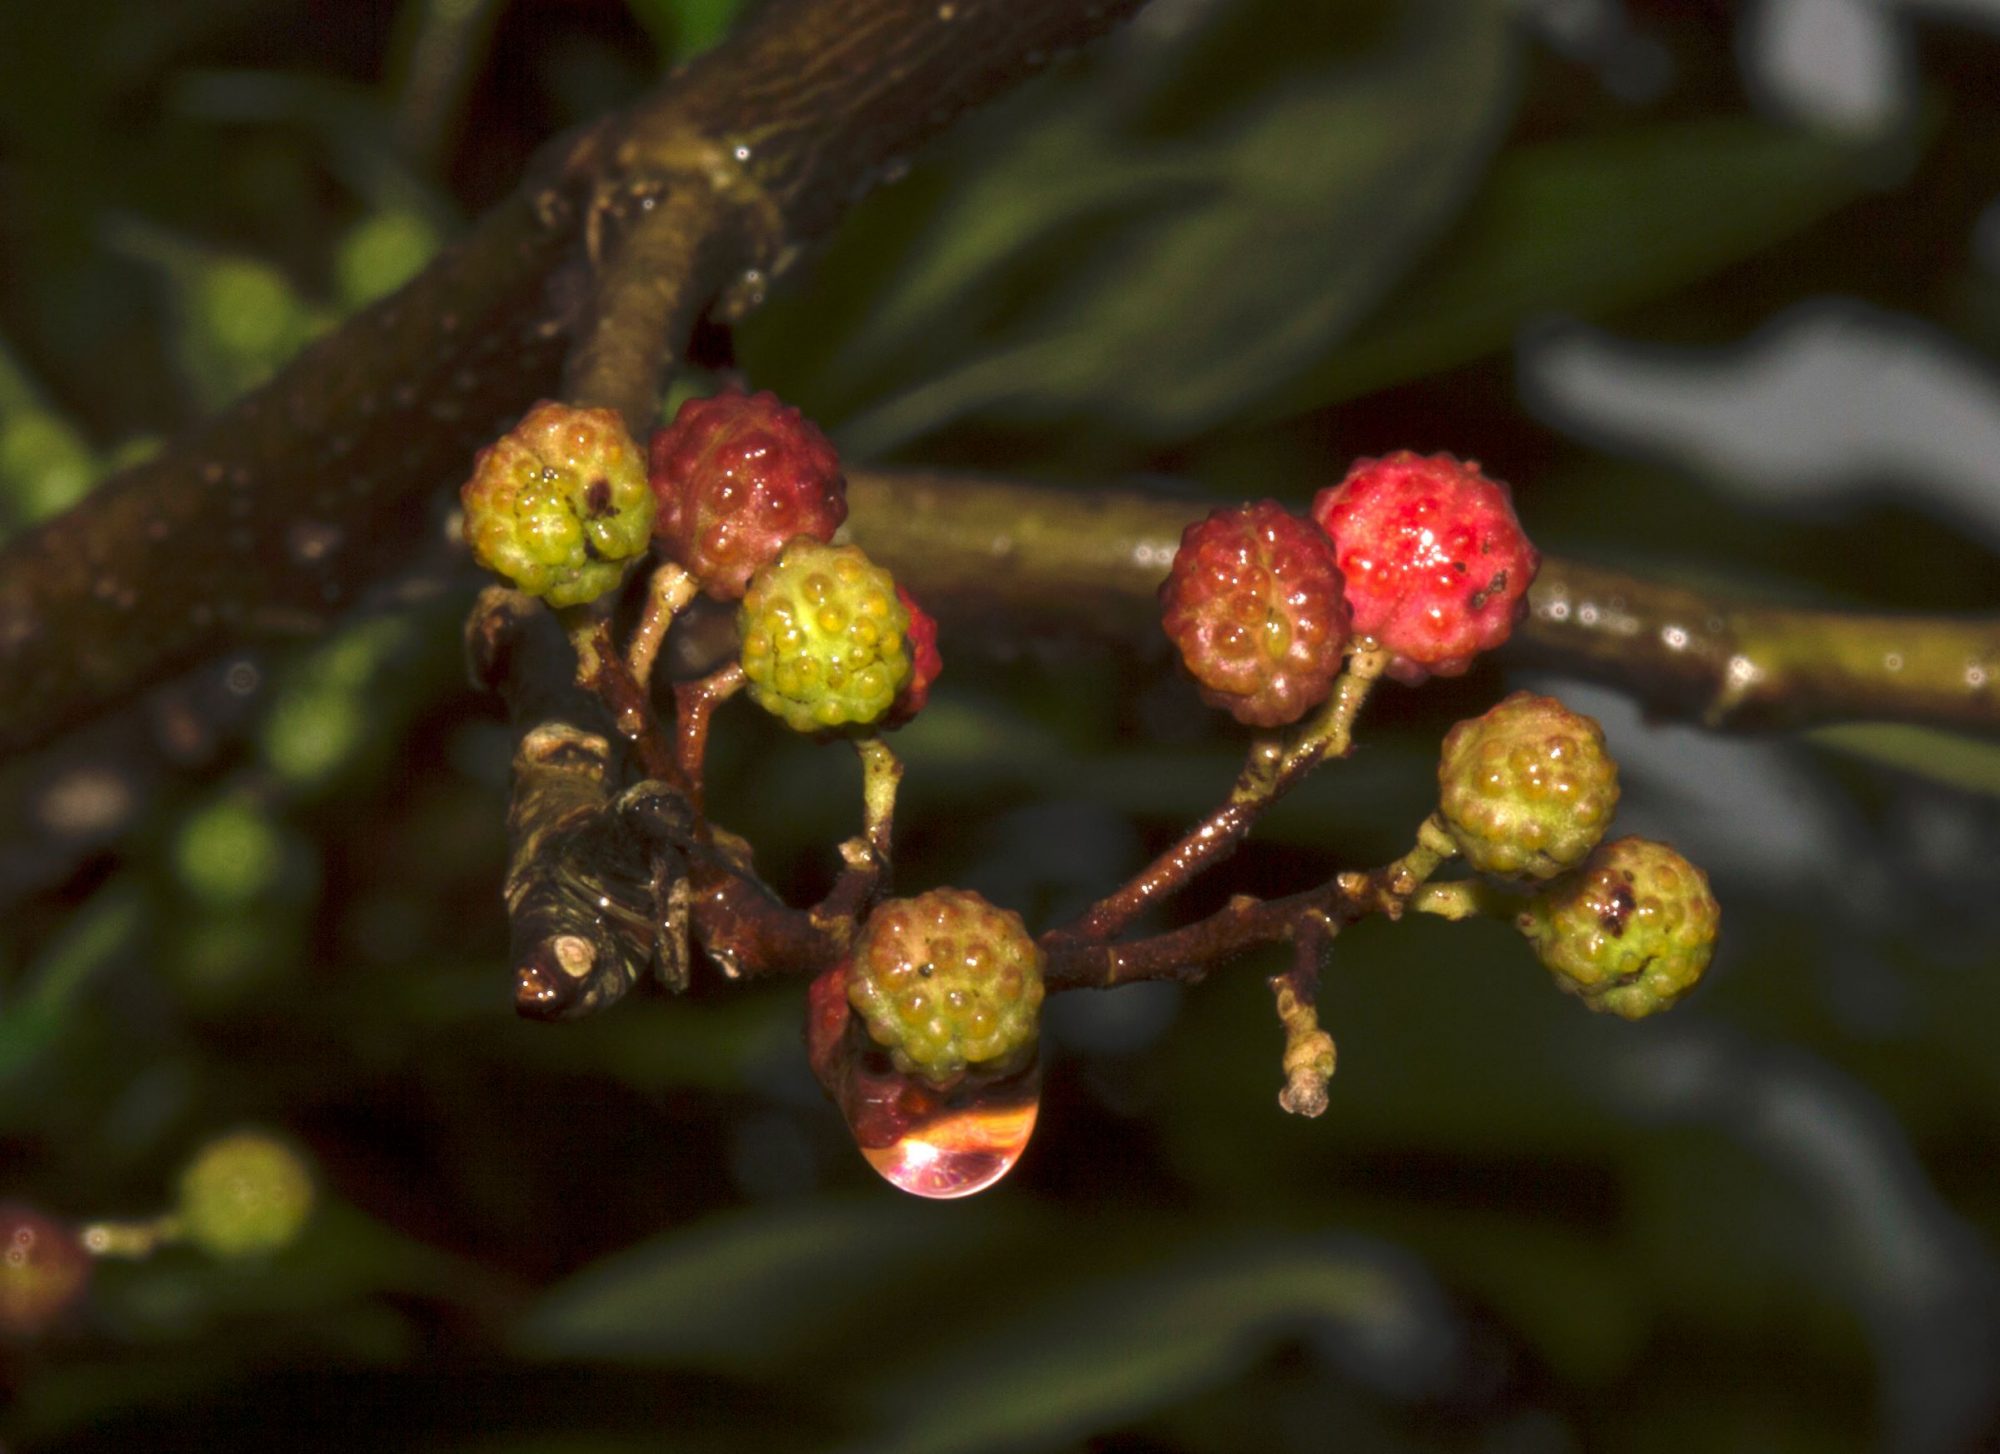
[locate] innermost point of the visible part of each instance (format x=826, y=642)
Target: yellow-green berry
x=245, y=1195
x=947, y=982
x=559, y=505
x=1630, y=931
x=1528, y=789
x=824, y=637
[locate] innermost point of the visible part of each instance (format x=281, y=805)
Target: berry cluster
x=924, y=1012
x=1423, y=558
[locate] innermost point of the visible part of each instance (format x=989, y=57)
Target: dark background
x=1227, y=253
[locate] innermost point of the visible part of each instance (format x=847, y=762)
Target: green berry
x=947, y=982
x=1528, y=789
x=559, y=504
x=824, y=637
x=245, y=1195
x=1630, y=931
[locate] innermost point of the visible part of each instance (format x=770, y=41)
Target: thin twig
x=1276, y=763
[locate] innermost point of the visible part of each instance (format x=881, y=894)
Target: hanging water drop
x=922, y=1140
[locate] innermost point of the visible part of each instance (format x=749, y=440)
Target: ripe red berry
x=43, y=1270
x=737, y=476
x=920, y=640
x=1253, y=603
x=1436, y=564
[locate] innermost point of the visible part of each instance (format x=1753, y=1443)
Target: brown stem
x=601, y=668
x=668, y=590
x=277, y=511
x=1310, y=1053
x=1188, y=953
x=694, y=708
x=1275, y=765
x=671, y=257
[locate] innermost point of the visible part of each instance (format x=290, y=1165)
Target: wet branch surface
x=1039, y=557
x=273, y=515
x=278, y=511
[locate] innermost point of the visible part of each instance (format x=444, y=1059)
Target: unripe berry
x=1253, y=603
x=1437, y=566
x=1527, y=789
x=43, y=1270
x=1630, y=931
x=737, y=477
x=824, y=637
x=947, y=982
x=245, y=1195
x=925, y=662
x=559, y=505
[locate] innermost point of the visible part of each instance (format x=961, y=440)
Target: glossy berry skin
x=925, y=662
x=559, y=505
x=1630, y=931
x=1254, y=604
x=824, y=637
x=43, y=1270
x=247, y=1194
x=947, y=982
x=737, y=476
x=1436, y=564
x=1527, y=789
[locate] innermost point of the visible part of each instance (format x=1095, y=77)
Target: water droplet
x=928, y=1142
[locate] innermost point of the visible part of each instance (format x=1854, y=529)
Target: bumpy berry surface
x=1527, y=789
x=1437, y=566
x=43, y=1270
x=824, y=637
x=947, y=981
x=925, y=662
x=559, y=505
x=1630, y=931
x=245, y=1195
x=737, y=476
x=1254, y=605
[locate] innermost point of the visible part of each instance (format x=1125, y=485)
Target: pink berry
x=1436, y=564
x=737, y=476
x=925, y=663
x=43, y=1270
x=1253, y=603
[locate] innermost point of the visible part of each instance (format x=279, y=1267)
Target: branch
x=1044, y=558
x=277, y=511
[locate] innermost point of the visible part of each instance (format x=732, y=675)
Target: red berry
x=1254, y=604
x=925, y=663
x=43, y=1270
x=1437, y=567
x=737, y=476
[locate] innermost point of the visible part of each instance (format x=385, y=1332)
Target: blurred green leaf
x=1166, y=281
x=236, y=318
x=1104, y=1351
x=33, y=1018
x=684, y=28
x=749, y=1290
x=1594, y=223
x=1947, y=757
